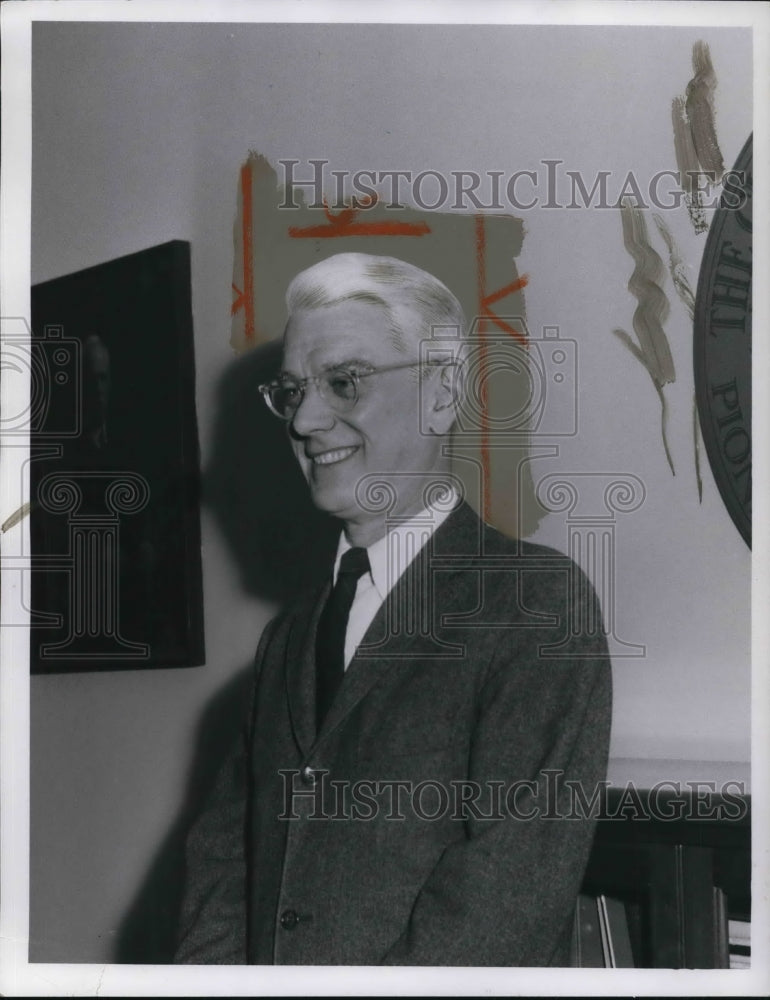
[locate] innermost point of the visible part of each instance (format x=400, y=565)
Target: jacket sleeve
x=505, y=894
x=212, y=925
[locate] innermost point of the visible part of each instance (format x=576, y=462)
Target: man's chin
x=332, y=502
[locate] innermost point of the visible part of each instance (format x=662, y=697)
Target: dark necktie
x=332, y=626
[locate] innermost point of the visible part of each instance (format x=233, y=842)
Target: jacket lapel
x=300, y=668
x=403, y=630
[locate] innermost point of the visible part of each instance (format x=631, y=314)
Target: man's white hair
x=418, y=305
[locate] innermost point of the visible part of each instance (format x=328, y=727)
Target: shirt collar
x=390, y=555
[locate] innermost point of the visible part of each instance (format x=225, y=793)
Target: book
x=616, y=940
x=601, y=937
x=739, y=943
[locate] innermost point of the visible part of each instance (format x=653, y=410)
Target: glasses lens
x=342, y=387
x=285, y=398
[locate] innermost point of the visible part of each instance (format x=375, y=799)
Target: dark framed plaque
x=722, y=342
x=114, y=468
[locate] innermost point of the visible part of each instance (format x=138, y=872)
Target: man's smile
x=333, y=456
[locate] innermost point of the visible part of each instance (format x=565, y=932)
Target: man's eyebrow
x=331, y=366
x=348, y=363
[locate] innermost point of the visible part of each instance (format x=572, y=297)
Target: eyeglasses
x=339, y=387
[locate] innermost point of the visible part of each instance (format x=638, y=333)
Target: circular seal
x=722, y=343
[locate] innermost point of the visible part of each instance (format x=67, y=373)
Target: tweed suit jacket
x=433, y=820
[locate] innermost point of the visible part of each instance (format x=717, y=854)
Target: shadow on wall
x=280, y=541
x=281, y=544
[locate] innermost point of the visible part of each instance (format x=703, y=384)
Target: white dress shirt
x=388, y=559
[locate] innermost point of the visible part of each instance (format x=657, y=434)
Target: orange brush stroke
x=362, y=229
x=342, y=224
x=239, y=301
x=481, y=280
x=245, y=298
x=515, y=286
x=489, y=300
x=486, y=316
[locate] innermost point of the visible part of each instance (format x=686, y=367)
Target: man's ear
x=443, y=410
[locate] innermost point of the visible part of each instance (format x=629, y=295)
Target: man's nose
x=313, y=412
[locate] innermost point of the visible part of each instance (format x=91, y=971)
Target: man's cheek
x=304, y=464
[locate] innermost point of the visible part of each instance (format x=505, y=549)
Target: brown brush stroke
x=687, y=163
x=676, y=268
x=664, y=427
x=700, y=111
x=646, y=285
x=632, y=347
x=17, y=516
x=696, y=439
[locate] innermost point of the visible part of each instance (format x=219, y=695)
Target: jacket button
x=289, y=920
x=307, y=776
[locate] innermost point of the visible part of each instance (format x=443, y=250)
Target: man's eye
x=288, y=391
x=342, y=384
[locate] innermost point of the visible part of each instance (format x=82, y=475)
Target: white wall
x=138, y=134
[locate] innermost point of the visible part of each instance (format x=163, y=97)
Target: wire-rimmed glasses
x=338, y=386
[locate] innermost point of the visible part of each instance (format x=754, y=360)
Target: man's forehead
x=338, y=334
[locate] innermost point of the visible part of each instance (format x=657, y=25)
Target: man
x=402, y=796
